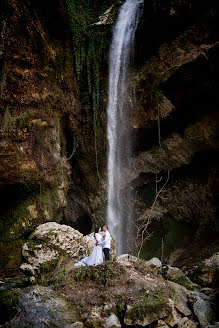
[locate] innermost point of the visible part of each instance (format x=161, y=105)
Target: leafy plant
x=102, y=274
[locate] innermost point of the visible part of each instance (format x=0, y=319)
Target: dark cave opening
x=83, y=224
x=75, y=214
x=12, y=196
x=81, y=221
x=193, y=90
x=198, y=238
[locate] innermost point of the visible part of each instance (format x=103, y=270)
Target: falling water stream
x=118, y=131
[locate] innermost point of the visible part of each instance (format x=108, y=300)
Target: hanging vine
x=89, y=43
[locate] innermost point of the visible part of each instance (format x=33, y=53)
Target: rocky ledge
x=126, y=292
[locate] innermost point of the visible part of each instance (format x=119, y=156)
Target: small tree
x=141, y=224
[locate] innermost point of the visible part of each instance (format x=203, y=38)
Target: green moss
x=187, y=283
x=148, y=304
x=90, y=44
x=103, y=274
x=8, y=301
x=16, y=221
x=13, y=122
x=45, y=273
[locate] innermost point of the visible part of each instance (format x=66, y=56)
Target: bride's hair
x=96, y=230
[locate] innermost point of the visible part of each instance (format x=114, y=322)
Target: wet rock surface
x=38, y=307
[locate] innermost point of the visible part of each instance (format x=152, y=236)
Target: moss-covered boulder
x=207, y=272
x=8, y=304
x=176, y=275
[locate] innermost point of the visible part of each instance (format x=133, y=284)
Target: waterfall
x=118, y=131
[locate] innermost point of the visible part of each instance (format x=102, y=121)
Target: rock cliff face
x=53, y=84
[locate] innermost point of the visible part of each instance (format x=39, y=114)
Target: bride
x=96, y=256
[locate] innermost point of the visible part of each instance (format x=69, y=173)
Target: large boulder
x=126, y=258
x=41, y=307
x=48, y=243
x=51, y=241
x=176, y=275
x=207, y=272
x=201, y=304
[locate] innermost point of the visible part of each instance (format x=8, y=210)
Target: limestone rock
x=202, y=308
x=106, y=18
x=186, y=323
x=77, y=325
x=126, y=258
x=41, y=307
x=161, y=324
x=180, y=298
x=174, y=317
x=206, y=273
x=49, y=242
x=94, y=317
x=112, y=322
x=155, y=264
x=176, y=275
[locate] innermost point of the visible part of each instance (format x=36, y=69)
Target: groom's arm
x=103, y=241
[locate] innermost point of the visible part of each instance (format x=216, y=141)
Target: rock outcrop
x=128, y=292
x=52, y=241
x=207, y=272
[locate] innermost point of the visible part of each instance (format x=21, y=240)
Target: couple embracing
x=103, y=244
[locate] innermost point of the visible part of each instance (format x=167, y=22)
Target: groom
x=106, y=243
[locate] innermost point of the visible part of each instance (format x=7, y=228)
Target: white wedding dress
x=95, y=257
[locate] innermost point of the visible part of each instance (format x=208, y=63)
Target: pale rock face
x=161, y=324
x=112, y=322
x=48, y=242
x=212, y=261
x=77, y=325
x=207, y=271
x=202, y=308
x=37, y=257
x=95, y=316
x=180, y=298
x=174, y=319
x=126, y=258
x=154, y=262
x=186, y=323
x=106, y=17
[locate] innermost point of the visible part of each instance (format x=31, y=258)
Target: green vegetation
x=13, y=122
x=103, y=274
x=150, y=303
x=45, y=272
x=8, y=300
x=90, y=44
x=60, y=275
